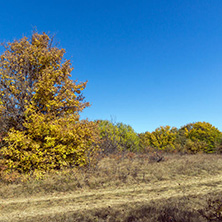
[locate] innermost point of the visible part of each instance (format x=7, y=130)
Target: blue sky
x=148, y=63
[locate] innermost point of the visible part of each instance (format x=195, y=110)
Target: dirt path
x=18, y=209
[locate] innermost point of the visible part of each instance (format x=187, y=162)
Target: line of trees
x=40, y=106
x=191, y=138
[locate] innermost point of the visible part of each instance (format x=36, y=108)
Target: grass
x=120, y=187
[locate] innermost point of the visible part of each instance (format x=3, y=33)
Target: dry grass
x=126, y=187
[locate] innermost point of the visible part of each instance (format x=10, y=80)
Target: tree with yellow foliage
x=40, y=108
x=200, y=136
x=162, y=138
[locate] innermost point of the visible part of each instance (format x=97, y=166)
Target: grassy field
x=121, y=188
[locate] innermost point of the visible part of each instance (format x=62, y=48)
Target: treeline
x=191, y=138
x=40, y=106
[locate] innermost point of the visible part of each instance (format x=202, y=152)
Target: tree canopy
x=34, y=76
x=117, y=137
x=40, y=107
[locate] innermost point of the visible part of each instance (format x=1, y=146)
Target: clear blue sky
x=148, y=62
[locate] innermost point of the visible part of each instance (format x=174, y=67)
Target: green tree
x=40, y=107
x=117, y=137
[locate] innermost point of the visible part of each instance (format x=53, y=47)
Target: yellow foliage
x=50, y=144
x=201, y=136
x=161, y=138
x=40, y=107
x=33, y=72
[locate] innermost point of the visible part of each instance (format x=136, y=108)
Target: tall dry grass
x=121, y=171
x=116, y=170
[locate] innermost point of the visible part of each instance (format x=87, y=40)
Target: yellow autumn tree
x=162, y=138
x=200, y=137
x=40, y=108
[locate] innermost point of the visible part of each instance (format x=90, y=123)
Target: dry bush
x=156, y=157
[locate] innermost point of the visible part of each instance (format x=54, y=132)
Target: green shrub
x=117, y=137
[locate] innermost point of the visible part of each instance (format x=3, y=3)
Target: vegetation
x=200, y=136
x=117, y=137
x=51, y=157
x=191, y=138
x=129, y=187
x=161, y=139
x=40, y=108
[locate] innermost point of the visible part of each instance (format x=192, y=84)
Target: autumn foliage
x=40, y=121
x=117, y=137
x=40, y=108
x=162, y=138
x=191, y=138
x=200, y=136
